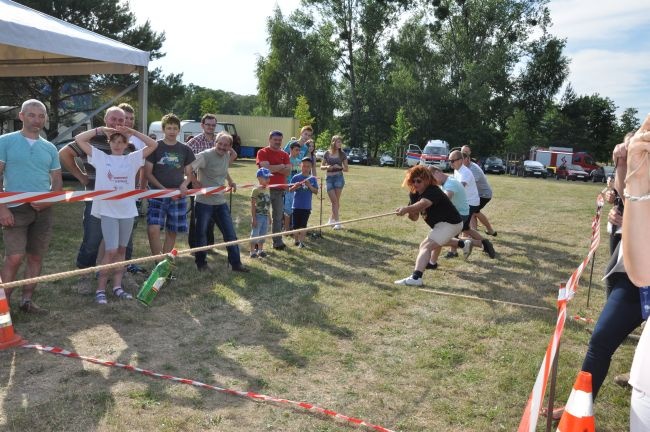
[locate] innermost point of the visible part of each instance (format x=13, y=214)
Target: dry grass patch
x=325, y=325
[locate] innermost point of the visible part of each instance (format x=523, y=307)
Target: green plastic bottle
x=156, y=280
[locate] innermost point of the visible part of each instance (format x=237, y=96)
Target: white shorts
x=442, y=232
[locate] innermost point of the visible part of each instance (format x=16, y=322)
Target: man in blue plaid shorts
x=169, y=167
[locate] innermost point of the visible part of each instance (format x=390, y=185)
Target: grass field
x=324, y=325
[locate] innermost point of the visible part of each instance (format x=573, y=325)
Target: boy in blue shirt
x=304, y=186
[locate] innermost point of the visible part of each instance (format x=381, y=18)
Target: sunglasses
x=454, y=160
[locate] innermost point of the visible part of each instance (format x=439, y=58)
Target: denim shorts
x=288, y=203
x=172, y=214
x=335, y=182
x=262, y=227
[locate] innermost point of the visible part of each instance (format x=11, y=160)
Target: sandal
x=121, y=294
x=100, y=297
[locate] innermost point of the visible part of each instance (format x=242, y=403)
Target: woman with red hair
x=428, y=200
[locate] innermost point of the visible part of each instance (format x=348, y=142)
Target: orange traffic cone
x=7, y=336
x=579, y=411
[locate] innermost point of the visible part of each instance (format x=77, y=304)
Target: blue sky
x=608, y=43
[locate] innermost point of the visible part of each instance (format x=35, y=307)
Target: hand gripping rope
x=248, y=395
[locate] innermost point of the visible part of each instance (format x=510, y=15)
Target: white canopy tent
x=35, y=44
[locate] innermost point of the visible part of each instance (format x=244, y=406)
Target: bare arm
x=345, y=165
x=66, y=157
x=57, y=184
x=149, y=142
x=148, y=171
x=414, y=210
x=188, y=178
x=636, y=217
x=6, y=216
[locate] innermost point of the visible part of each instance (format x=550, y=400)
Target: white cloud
x=597, y=20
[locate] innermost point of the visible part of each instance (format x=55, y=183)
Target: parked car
x=358, y=156
x=319, y=154
x=571, y=172
x=494, y=164
x=413, y=155
x=534, y=169
x=386, y=159
x=600, y=174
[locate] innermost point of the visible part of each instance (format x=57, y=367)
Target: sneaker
x=296, y=243
x=261, y=254
x=133, y=268
x=467, y=248
x=254, y=254
x=240, y=269
x=121, y=294
x=202, y=267
x=30, y=307
x=330, y=221
x=493, y=233
x=488, y=248
x=281, y=246
x=409, y=281
x=623, y=380
x=338, y=226
x=301, y=245
x=432, y=266
x=451, y=254
x=100, y=297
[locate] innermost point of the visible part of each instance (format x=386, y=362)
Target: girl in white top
x=636, y=256
x=116, y=171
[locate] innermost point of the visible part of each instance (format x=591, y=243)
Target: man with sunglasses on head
x=465, y=176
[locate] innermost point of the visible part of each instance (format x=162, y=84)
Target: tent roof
x=35, y=44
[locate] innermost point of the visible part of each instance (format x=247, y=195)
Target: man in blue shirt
x=28, y=163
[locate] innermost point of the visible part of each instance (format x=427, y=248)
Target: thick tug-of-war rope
x=80, y=272
x=248, y=395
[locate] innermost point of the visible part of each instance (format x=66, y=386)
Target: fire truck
x=554, y=157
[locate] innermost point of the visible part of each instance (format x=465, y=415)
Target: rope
x=80, y=272
x=486, y=299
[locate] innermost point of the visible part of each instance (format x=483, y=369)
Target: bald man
x=465, y=176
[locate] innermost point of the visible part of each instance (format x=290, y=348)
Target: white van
x=436, y=152
x=189, y=129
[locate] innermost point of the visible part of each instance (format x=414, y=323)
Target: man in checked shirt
x=200, y=142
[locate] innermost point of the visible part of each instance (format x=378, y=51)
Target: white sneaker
x=467, y=248
x=338, y=226
x=330, y=221
x=409, y=281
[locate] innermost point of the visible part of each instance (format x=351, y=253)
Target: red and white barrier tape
x=74, y=196
x=249, y=395
x=567, y=292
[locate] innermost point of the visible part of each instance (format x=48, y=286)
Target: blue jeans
x=220, y=214
x=87, y=255
x=620, y=316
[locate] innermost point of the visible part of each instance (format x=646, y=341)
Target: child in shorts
x=294, y=160
x=168, y=167
x=116, y=171
x=260, y=205
x=305, y=186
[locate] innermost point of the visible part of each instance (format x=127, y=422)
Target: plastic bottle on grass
x=156, y=280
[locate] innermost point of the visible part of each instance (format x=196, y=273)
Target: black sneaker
x=431, y=266
x=281, y=246
x=240, y=269
x=488, y=248
x=451, y=254
x=201, y=267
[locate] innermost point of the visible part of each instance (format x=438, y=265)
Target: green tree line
x=384, y=73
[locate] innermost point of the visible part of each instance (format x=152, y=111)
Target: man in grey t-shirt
x=212, y=170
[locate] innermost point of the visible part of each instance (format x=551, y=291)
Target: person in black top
x=428, y=200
